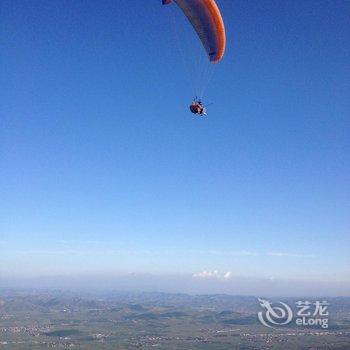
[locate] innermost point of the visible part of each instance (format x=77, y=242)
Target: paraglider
x=197, y=107
x=206, y=20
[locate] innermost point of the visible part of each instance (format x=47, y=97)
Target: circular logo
x=274, y=314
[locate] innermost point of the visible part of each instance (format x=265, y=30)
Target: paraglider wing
x=206, y=19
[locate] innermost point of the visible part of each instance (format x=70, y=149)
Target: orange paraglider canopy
x=206, y=19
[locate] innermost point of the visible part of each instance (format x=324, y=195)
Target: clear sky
x=105, y=170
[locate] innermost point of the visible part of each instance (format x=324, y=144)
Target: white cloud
x=290, y=255
x=228, y=275
x=213, y=274
x=63, y=252
x=83, y=252
x=74, y=241
x=233, y=253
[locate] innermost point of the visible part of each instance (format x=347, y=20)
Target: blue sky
x=104, y=170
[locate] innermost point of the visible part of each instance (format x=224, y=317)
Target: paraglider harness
x=197, y=107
